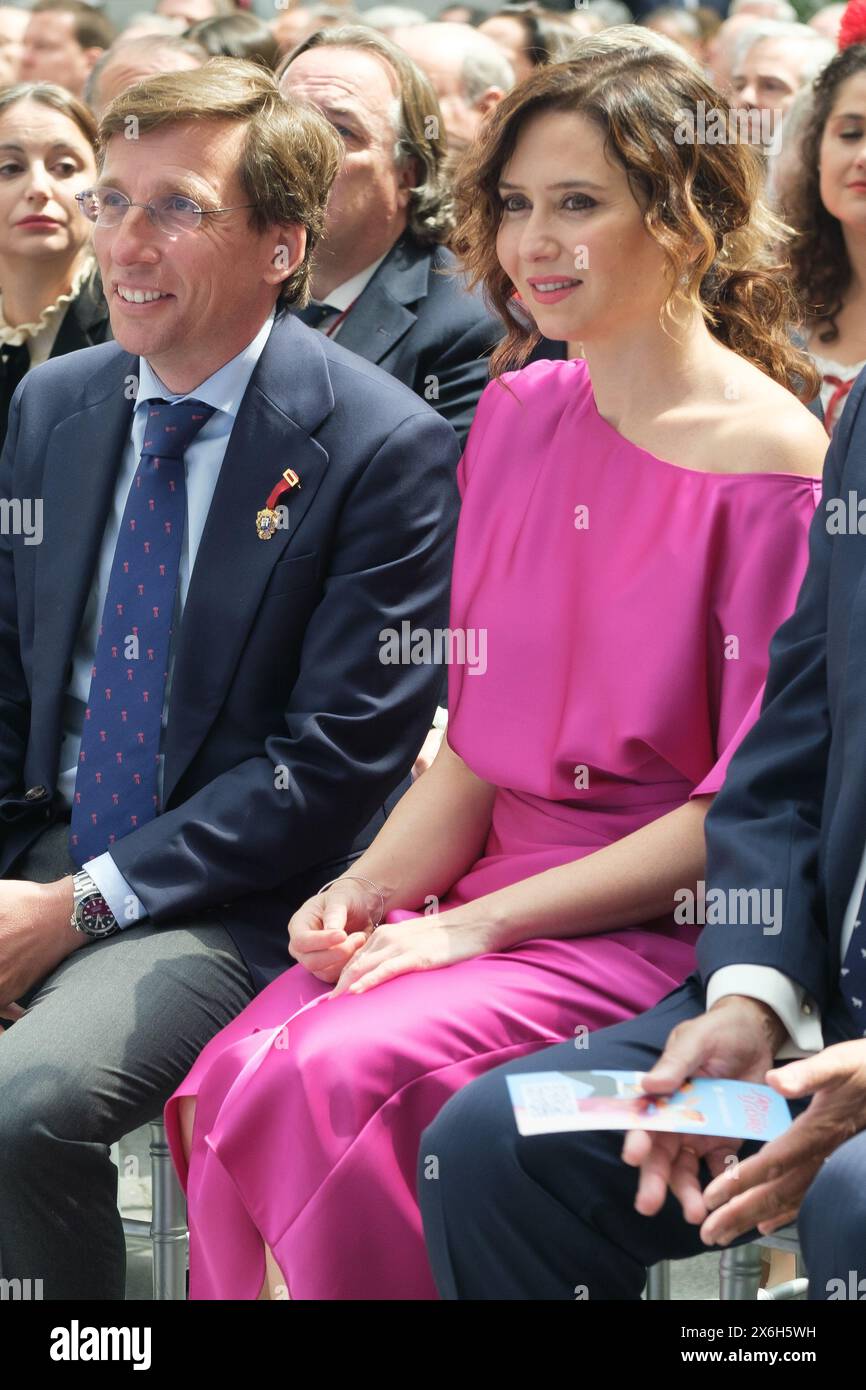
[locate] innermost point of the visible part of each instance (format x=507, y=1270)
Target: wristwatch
x=90, y=912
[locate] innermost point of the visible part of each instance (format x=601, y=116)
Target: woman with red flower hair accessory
x=853, y=26
x=827, y=206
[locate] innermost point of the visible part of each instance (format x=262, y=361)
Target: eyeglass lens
x=172, y=211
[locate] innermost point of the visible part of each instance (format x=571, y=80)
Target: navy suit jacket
x=421, y=326
x=792, y=812
x=277, y=660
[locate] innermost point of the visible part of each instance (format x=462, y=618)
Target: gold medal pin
x=267, y=520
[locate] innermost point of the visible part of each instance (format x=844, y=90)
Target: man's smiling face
x=216, y=284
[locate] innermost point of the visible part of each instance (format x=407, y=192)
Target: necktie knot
x=170, y=428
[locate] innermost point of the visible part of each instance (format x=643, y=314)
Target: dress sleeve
x=754, y=591
x=472, y=459
x=483, y=410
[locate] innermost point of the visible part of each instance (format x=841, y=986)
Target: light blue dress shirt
x=202, y=462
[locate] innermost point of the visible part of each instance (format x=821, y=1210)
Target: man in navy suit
x=383, y=281
x=196, y=728
x=541, y=1217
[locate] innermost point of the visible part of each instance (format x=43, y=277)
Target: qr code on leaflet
x=542, y=1099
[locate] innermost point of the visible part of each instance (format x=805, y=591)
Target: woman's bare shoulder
x=791, y=441
x=773, y=432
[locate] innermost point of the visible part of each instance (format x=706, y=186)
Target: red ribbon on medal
x=267, y=520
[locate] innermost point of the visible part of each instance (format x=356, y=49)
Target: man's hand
x=737, y=1038
x=767, y=1189
x=35, y=936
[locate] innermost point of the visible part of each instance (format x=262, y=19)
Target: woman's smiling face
x=842, y=155
x=569, y=218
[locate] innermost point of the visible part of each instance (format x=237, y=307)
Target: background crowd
x=377, y=286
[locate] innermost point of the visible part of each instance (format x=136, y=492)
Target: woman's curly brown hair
x=703, y=202
x=819, y=257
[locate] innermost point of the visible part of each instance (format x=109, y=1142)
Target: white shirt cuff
x=798, y=1011
x=127, y=908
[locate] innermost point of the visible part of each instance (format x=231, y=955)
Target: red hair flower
x=853, y=26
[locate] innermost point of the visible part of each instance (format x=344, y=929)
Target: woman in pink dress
x=633, y=530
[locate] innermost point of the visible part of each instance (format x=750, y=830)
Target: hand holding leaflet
x=558, y=1101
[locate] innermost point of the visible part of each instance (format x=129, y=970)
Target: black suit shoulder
x=447, y=284
x=428, y=281
x=354, y=378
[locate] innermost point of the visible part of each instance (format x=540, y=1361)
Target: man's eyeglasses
x=173, y=213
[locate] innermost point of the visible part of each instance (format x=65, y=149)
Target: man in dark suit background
x=382, y=274
x=782, y=975
x=193, y=709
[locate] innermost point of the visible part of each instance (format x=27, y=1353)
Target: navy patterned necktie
x=116, y=781
x=852, y=980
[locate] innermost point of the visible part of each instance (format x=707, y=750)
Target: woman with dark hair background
x=529, y=36
x=52, y=301
x=825, y=200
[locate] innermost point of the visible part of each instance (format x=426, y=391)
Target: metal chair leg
x=658, y=1283
x=168, y=1226
x=740, y=1273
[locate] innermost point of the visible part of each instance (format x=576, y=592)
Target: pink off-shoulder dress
x=626, y=606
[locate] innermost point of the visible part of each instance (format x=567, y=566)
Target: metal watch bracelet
x=84, y=887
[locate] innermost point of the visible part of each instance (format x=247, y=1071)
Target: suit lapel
x=383, y=314
x=288, y=396
x=83, y=459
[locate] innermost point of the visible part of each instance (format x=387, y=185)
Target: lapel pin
x=267, y=520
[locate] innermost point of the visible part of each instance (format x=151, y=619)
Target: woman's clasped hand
x=333, y=936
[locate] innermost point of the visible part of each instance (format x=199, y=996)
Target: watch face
x=95, y=916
